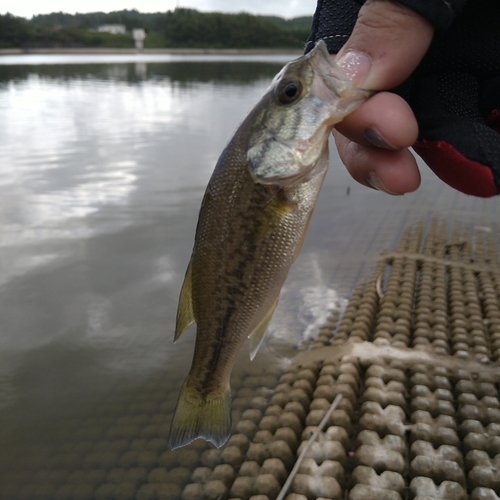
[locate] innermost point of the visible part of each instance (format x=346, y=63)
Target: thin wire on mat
x=302, y=455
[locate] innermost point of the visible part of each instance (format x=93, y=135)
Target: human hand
x=453, y=94
x=386, y=45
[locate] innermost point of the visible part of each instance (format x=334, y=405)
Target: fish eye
x=289, y=91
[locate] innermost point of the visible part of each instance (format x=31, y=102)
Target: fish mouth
x=333, y=84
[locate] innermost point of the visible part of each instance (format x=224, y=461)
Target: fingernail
x=356, y=65
x=376, y=183
x=373, y=136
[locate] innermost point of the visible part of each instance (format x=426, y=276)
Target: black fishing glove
x=454, y=92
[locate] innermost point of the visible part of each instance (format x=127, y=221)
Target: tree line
x=181, y=28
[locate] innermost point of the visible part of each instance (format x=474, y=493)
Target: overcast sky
x=284, y=8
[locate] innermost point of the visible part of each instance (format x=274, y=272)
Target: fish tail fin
x=201, y=416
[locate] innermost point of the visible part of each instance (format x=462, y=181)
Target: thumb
x=386, y=45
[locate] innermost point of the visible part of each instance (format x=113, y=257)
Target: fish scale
x=252, y=221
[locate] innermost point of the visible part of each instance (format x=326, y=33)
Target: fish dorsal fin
x=185, y=313
x=257, y=336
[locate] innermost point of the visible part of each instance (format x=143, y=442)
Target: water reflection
x=85, y=135
x=182, y=71
x=141, y=70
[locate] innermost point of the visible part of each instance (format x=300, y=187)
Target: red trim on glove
x=459, y=172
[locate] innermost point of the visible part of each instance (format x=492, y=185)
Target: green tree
x=178, y=28
x=191, y=28
x=14, y=31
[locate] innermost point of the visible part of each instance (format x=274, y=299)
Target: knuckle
x=387, y=15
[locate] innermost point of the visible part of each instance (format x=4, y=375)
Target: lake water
x=103, y=163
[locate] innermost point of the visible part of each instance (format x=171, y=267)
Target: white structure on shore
x=115, y=29
x=139, y=35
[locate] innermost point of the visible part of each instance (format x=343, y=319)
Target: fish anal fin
x=185, y=312
x=257, y=336
x=201, y=416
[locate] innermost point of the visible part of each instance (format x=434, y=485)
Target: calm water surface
x=103, y=164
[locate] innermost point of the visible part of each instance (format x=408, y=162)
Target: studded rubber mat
x=415, y=355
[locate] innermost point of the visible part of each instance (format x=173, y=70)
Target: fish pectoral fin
x=257, y=336
x=185, y=312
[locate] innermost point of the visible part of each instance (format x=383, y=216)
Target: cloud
x=289, y=8
x=284, y=8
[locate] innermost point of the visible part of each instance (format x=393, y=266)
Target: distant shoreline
x=90, y=50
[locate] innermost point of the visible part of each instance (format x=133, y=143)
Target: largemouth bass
x=252, y=221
